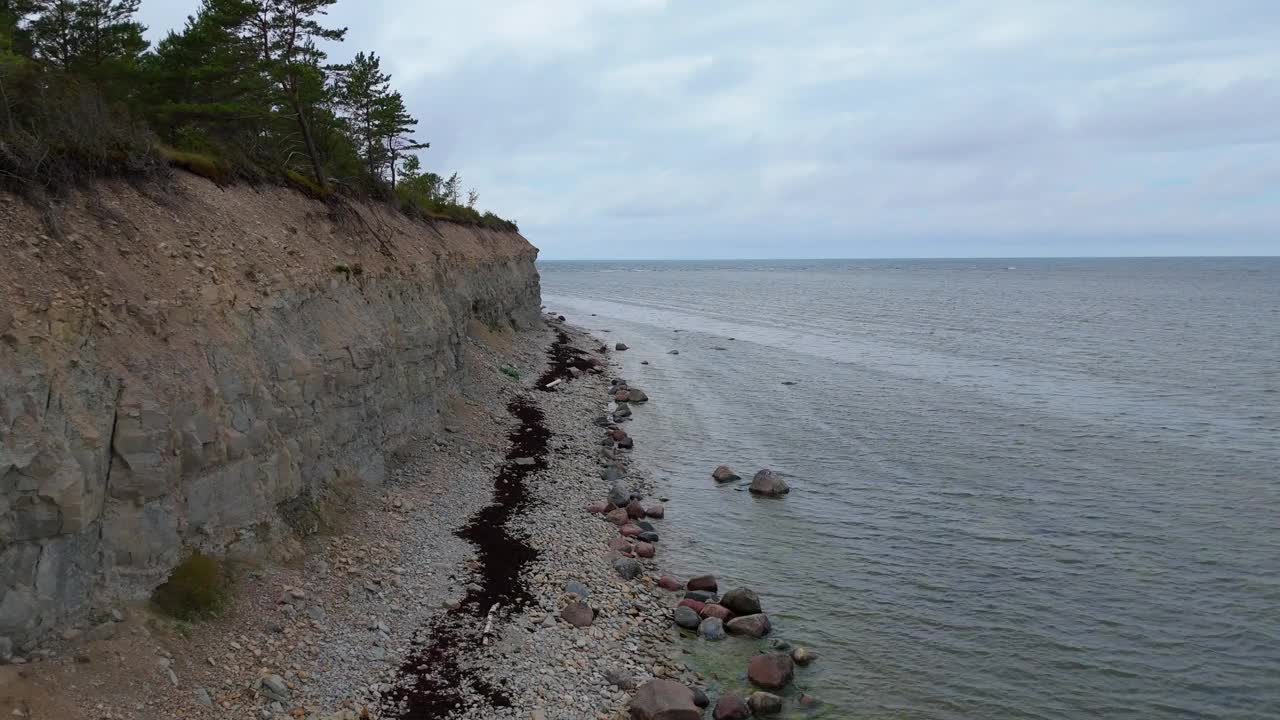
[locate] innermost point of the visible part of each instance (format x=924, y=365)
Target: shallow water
x=1022, y=488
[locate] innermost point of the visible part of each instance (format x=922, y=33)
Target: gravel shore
x=418, y=603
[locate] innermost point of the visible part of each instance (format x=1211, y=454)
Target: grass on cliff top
x=199, y=587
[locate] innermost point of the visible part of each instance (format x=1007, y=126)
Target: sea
x=1021, y=488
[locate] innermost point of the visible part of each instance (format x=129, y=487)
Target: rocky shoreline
x=482, y=582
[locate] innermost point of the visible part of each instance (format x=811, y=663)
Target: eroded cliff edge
x=195, y=368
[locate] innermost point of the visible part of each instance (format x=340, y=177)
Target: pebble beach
x=512, y=568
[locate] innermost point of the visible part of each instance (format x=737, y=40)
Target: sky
x=620, y=129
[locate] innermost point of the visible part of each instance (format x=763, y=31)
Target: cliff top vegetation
x=244, y=92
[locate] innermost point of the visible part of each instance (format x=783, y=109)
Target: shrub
x=197, y=588
x=61, y=133
x=202, y=164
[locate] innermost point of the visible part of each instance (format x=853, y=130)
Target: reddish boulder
x=664, y=700
x=716, y=610
x=666, y=582
x=617, y=516
x=630, y=530
x=751, y=625
x=697, y=606
x=617, y=434
x=635, y=510
x=656, y=511
x=731, y=707
x=706, y=583
x=578, y=614
x=621, y=544
x=622, y=396
x=771, y=672
x=598, y=507
x=646, y=550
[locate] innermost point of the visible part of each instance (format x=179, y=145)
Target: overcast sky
x=814, y=128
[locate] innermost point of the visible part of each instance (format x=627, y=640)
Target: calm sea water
x=1021, y=488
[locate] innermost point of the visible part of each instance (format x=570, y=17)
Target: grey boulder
x=769, y=484
x=724, y=474
x=686, y=617
x=664, y=700
x=742, y=601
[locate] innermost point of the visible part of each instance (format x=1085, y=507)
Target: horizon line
x=935, y=257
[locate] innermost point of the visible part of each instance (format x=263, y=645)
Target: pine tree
x=207, y=80
x=361, y=91
x=15, y=35
x=394, y=126
x=452, y=187
x=53, y=32
x=106, y=32
x=286, y=32
x=95, y=38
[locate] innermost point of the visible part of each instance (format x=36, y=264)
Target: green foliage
x=242, y=92
x=201, y=164
x=199, y=587
x=59, y=132
x=306, y=184
x=510, y=372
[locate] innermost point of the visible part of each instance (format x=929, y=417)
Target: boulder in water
x=751, y=625
x=620, y=346
x=686, y=617
x=702, y=582
x=636, y=395
x=772, y=671
x=803, y=656
x=742, y=601
x=716, y=610
x=711, y=628
x=724, y=474
x=769, y=484
x=763, y=703
x=731, y=707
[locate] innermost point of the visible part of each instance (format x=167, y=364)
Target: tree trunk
x=391, y=152
x=309, y=142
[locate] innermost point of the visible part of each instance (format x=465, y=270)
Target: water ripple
x=1043, y=493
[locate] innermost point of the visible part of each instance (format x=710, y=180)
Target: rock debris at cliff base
x=325, y=636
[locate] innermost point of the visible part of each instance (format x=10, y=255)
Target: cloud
x=846, y=127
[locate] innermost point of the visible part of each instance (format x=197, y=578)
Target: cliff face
x=193, y=369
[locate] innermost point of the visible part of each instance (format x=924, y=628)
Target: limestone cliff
x=184, y=368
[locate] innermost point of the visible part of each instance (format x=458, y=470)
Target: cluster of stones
x=623, y=507
x=737, y=612
x=700, y=610
x=766, y=483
